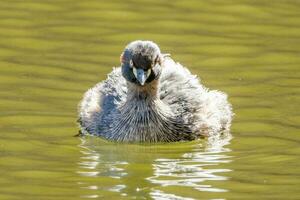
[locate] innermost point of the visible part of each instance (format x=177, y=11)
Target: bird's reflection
x=145, y=171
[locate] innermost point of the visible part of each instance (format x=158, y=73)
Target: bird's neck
x=146, y=93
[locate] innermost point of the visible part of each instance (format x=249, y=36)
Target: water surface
x=51, y=52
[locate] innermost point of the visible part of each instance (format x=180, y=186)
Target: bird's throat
x=147, y=92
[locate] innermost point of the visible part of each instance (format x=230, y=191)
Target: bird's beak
x=140, y=75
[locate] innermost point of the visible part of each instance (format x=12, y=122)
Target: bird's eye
x=131, y=63
x=148, y=72
x=134, y=71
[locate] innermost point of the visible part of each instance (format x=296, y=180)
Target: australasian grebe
x=151, y=98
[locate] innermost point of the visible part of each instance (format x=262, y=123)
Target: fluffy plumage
x=171, y=106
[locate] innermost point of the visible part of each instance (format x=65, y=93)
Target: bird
x=151, y=98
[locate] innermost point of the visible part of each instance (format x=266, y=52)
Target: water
x=53, y=51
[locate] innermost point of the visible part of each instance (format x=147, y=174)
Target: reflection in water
x=92, y=165
x=91, y=160
x=189, y=170
x=146, y=171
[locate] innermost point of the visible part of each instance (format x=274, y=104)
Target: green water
x=51, y=52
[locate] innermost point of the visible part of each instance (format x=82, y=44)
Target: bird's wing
x=102, y=99
x=181, y=90
x=208, y=110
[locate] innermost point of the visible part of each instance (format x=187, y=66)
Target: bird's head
x=141, y=62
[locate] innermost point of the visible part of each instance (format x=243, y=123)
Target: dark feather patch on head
x=141, y=55
x=140, y=61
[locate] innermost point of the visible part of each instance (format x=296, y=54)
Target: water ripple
x=190, y=169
